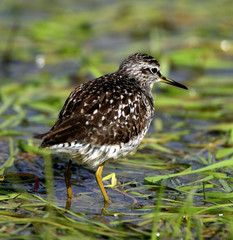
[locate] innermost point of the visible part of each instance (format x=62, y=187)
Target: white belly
x=94, y=155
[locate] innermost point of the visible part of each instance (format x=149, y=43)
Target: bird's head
x=146, y=70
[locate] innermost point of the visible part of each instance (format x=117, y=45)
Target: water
x=108, y=43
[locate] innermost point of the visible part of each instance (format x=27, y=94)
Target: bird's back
x=105, y=118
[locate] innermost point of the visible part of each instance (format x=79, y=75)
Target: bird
x=106, y=118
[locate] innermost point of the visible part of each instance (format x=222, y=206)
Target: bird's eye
x=154, y=70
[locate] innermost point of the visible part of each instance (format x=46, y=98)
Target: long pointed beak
x=171, y=82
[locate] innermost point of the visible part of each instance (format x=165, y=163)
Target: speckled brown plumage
x=107, y=110
x=107, y=117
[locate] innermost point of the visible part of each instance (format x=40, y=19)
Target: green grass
x=178, y=184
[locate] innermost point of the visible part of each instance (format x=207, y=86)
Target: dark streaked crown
x=141, y=67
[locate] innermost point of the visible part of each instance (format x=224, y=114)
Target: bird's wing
x=100, y=112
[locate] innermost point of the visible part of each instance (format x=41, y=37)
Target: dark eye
x=154, y=70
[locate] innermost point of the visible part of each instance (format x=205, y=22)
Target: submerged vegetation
x=178, y=184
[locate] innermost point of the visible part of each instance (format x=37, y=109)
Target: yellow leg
x=98, y=176
x=67, y=176
x=68, y=203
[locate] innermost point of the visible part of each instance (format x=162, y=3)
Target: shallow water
x=188, y=44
